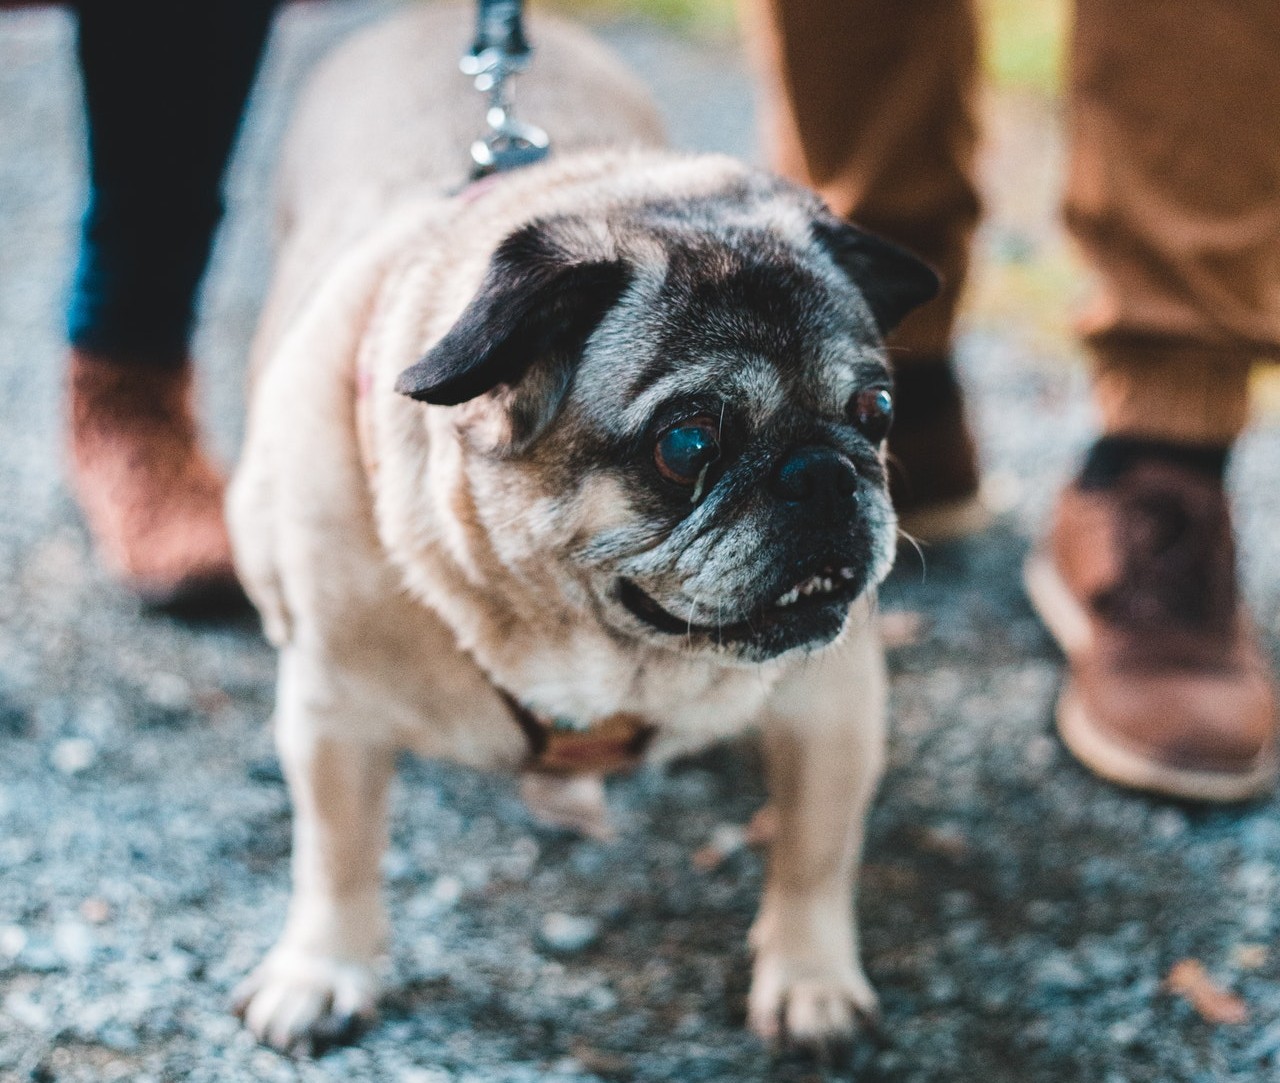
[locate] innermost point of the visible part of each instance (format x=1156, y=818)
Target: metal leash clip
x=499, y=52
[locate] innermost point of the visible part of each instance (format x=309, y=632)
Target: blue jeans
x=165, y=86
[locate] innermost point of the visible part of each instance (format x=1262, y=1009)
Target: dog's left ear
x=539, y=298
x=891, y=279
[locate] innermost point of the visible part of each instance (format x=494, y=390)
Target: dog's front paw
x=810, y=1007
x=303, y=1003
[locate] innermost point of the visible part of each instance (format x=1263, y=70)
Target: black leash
x=500, y=51
x=499, y=25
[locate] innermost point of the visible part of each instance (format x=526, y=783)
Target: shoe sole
x=212, y=597
x=1068, y=623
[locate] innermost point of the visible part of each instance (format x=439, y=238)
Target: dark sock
x=1111, y=456
x=925, y=388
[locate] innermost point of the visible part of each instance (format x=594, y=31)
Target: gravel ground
x=1020, y=918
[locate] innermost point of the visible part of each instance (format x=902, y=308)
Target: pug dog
x=568, y=469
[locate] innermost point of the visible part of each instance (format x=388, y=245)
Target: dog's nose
x=819, y=477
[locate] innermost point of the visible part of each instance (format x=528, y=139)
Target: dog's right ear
x=539, y=298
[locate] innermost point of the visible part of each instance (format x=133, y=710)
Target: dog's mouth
x=802, y=613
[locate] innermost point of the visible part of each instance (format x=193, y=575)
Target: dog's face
x=679, y=408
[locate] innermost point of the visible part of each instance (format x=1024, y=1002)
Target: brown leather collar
x=615, y=743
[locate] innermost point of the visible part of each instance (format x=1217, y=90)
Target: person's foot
x=151, y=497
x=933, y=466
x=1167, y=689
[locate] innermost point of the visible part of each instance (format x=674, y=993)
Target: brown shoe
x=151, y=497
x=933, y=465
x=1167, y=689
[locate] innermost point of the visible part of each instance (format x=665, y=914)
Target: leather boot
x=1168, y=689
x=151, y=497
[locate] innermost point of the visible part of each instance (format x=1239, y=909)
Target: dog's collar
x=556, y=747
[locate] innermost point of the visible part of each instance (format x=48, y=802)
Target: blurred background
x=1028, y=278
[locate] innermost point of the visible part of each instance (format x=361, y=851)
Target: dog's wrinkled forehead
x=733, y=296
x=753, y=289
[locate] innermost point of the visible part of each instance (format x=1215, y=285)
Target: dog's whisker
x=688, y=631
x=918, y=546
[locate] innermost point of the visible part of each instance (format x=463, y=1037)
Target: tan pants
x=1173, y=189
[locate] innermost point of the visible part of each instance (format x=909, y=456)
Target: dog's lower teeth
x=813, y=585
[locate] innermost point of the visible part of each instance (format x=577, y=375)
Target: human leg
x=165, y=85
x=872, y=103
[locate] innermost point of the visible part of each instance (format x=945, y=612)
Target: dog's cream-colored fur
x=399, y=589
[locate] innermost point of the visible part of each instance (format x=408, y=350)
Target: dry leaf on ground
x=1249, y=956
x=726, y=840
x=1214, y=1004
x=763, y=826
x=902, y=628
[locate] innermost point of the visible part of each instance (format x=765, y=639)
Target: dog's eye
x=684, y=451
x=872, y=413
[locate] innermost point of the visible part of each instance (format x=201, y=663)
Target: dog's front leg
x=824, y=748
x=318, y=985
